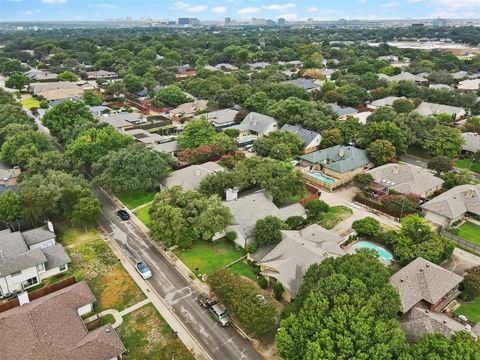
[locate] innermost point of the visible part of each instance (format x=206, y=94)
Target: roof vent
x=107, y=330
x=421, y=270
x=401, y=280
x=427, y=265
x=444, y=321
x=427, y=311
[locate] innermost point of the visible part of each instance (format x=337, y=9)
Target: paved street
x=174, y=288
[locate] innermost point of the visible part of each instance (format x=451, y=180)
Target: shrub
x=252, y=247
x=471, y=284
x=231, y=236
x=262, y=282
x=277, y=290
x=315, y=209
x=295, y=222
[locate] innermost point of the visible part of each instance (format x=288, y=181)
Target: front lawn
x=133, y=199
x=465, y=164
x=146, y=335
x=144, y=216
x=418, y=152
x=71, y=235
x=209, y=256
x=335, y=215
x=30, y=103
x=471, y=310
x=470, y=231
x=245, y=269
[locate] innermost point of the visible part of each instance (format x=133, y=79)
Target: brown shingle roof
x=423, y=280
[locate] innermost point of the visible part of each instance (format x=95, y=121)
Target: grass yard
x=418, y=152
x=133, y=199
x=335, y=215
x=245, y=269
x=146, y=335
x=465, y=164
x=107, y=319
x=30, y=103
x=209, y=256
x=71, y=235
x=471, y=310
x=144, y=216
x=470, y=231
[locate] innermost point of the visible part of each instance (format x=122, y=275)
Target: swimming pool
x=384, y=254
x=320, y=177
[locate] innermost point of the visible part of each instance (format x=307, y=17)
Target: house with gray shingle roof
x=303, y=83
x=256, y=124
x=388, y=101
x=311, y=139
x=220, y=118
x=51, y=327
x=190, y=177
x=453, y=204
x=343, y=112
x=429, y=109
x=290, y=259
x=472, y=142
x=406, y=179
x=26, y=258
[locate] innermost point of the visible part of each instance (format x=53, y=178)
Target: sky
x=75, y=10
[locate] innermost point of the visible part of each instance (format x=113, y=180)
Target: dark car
x=123, y=214
x=216, y=311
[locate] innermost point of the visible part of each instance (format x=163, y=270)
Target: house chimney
x=341, y=152
x=50, y=227
x=197, y=172
x=231, y=194
x=16, y=170
x=396, y=169
x=23, y=298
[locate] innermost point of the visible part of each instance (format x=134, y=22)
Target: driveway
x=460, y=261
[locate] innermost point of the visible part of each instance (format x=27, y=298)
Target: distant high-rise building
x=183, y=21
x=194, y=21
x=439, y=22
x=281, y=21
x=310, y=19
x=228, y=21
x=171, y=22
x=270, y=22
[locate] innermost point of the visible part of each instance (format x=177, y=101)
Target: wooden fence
x=314, y=194
x=39, y=293
x=461, y=242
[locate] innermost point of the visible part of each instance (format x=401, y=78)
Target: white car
x=143, y=270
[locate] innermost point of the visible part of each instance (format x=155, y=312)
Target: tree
x=131, y=168
x=267, y=231
x=331, y=137
x=52, y=193
x=66, y=115
x=345, y=309
x=13, y=114
x=17, y=81
x=52, y=160
x=351, y=129
x=381, y=151
x=92, y=98
x=385, y=130
x=384, y=113
x=256, y=316
x=94, y=143
x=9, y=206
x=315, y=209
x=441, y=77
x=459, y=346
x=454, y=179
x=440, y=164
x=273, y=144
x=444, y=141
x=170, y=95
x=197, y=132
x=133, y=83
x=85, y=211
x=363, y=181
x=403, y=106
x=217, y=183
x=353, y=95
x=471, y=284
x=20, y=147
x=67, y=76
x=368, y=226
x=258, y=102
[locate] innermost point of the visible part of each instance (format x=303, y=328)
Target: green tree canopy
x=92, y=98
x=20, y=147
x=17, y=81
x=268, y=145
x=444, y=141
x=9, y=206
x=381, y=151
x=67, y=76
x=170, y=95
x=385, y=130
x=267, y=231
x=197, y=132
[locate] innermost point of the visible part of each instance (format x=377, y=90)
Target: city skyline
x=75, y=10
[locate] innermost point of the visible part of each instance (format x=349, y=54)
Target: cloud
x=27, y=12
x=219, y=9
x=249, y=10
x=54, y=2
x=360, y=2
x=446, y=14
x=312, y=9
x=279, y=7
x=180, y=5
x=457, y=4
x=106, y=6
x=289, y=17
x=390, y=5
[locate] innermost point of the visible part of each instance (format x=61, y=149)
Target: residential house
x=51, y=327
x=184, y=72
x=246, y=210
x=439, y=87
x=311, y=139
x=98, y=110
x=429, y=109
x=146, y=137
x=306, y=84
x=40, y=75
x=469, y=85
x=226, y=68
x=255, y=125
x=362, y=116
x=343, y=112
x=425, y=289
x=388, y=101
x=29, y=257
x=405, y=76
x=327, y=72
x=259, y=65
x=188, y=110
x=472, y=142
x=289, y=260
x=169, y=147
x=453, y=205
x=190, y=177
x=334, y=166
x=8, y=177
x=459, y=75
x=220, y=118
x=406, y=179
x=55, y=91
x=101, y=74
x=122, y=120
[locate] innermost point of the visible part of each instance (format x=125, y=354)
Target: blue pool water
x=384, y=254
x=320, y=177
